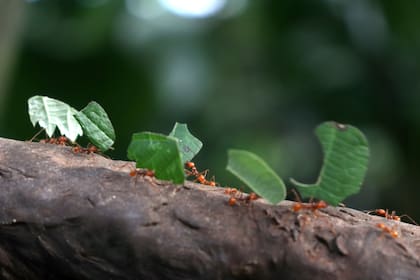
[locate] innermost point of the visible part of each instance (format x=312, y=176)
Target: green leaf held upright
x=346, y=156
x=189, y=145
x=50, y=113
x=157, y=152
x=257, y=175
x=97, y=126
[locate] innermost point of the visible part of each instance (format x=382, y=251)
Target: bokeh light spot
x=194, y=9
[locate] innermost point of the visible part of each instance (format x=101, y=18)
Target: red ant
x=297, y=206
x=62, y=140
x=232, y=201
x=191, y=165
x=199, y=176
x=384, y=213
x=142, y=172
x=386, y=229
x=302, y=219
x=89, y=150
x=92, y=149
x=78, y=149
x=150, y=174
x=236, y=196
x=232, y=192
x=314, y=206
x=134, y=172
x=247, y=199
x=252, y=196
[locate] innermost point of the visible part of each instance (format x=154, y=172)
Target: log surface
x=80, y=216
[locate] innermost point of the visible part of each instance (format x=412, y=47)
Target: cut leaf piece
x=257, y=175
x=157, y=152
x=189, y=145
x=97, y=126
x=50, y=113
x=346, y=156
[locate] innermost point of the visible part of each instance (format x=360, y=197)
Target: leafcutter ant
x=191, y=170
x=236, y=196
x=391, y=216
x=387, y=229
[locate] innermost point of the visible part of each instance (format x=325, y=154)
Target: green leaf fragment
x=257, y=175
x=346, y=156
x=189, y=145
x=50, y=113
x=157, y=152
x=97, y=126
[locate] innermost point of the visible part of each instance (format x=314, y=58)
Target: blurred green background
x=255, y=75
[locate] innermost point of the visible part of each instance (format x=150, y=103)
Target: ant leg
x=189, y=173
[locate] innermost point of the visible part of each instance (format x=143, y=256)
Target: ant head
x=232, y=201
x=253, y=196
x=189, y=164
x=93, y=149
x=150, y=173
x=297, y=206
x=201, y=178
x=322, y=204
x=230, y=190
x=381, y=212
x=380, y=225
x=394, y=233
x=211, y=183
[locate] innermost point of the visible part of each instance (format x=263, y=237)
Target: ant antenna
x=409, y=218
x=296, y=194
x=36, y=134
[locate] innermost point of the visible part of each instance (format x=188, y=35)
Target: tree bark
x=81, y=216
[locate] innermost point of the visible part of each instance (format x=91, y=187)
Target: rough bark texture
x=79, y=216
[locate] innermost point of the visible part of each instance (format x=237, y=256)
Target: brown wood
x=80, y=216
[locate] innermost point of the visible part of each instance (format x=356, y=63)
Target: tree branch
x=79, y=216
